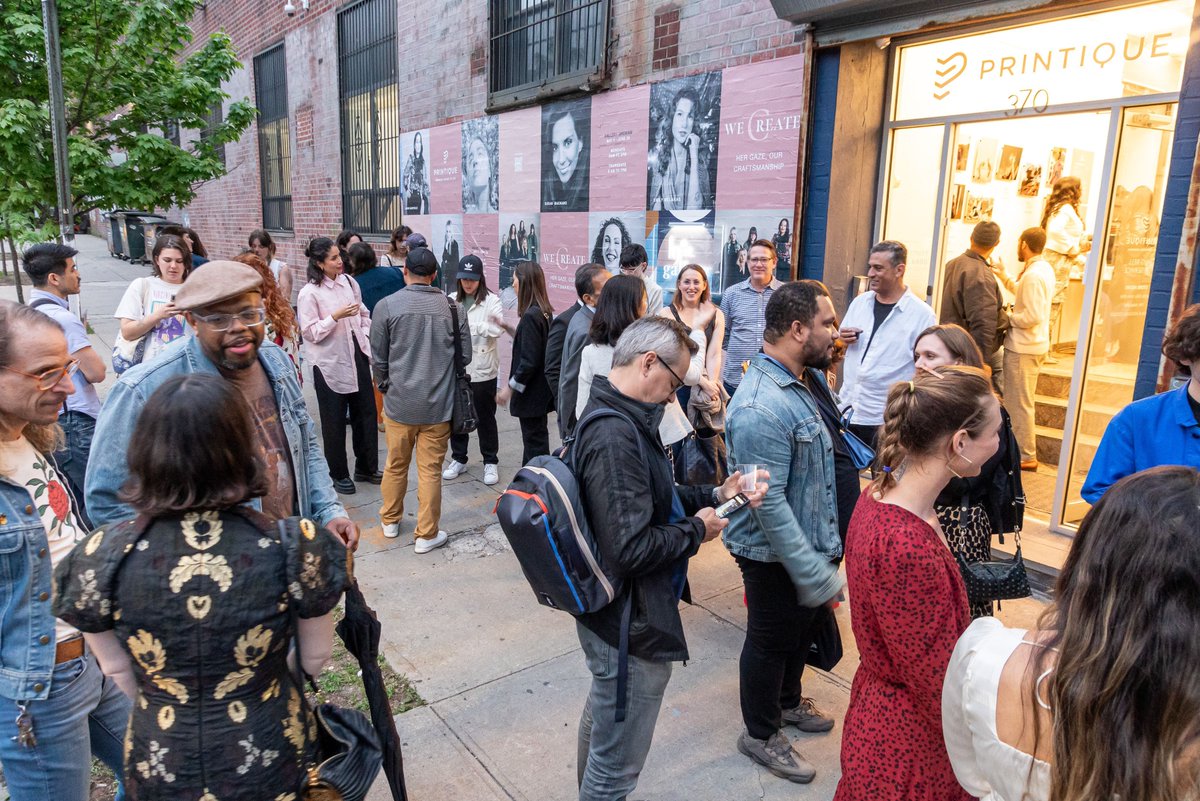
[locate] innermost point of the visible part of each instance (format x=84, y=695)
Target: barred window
x=215, y=117
x=369, y=102
x=542, y=48
x=274, y=139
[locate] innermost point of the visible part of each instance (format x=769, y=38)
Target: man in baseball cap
x=222, y=301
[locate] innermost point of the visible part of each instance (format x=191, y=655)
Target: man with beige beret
x=222, y=302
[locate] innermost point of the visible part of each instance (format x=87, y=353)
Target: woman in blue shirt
x=1160, y=430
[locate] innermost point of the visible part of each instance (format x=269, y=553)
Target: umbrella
x=359, y=630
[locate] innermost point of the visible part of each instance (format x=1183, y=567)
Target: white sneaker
x=425, y=546
x=391, y=530
x=490, y=476
x=454, y=470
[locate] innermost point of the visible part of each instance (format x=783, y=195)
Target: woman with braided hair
x=909, y=602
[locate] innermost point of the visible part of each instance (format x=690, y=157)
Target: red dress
x=908, y=607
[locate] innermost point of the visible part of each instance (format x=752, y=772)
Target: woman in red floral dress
x=907, y=599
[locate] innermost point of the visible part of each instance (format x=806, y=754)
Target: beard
x=819, y=358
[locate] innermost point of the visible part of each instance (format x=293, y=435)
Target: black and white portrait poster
x=414, y=175
x=446, y=241
x=685, y=116
x=520, y=240
x=481, y=165
x=566, y=145
x=612, y=232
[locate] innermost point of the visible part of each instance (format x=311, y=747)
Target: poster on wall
x=445, y=187
x=566, y=135
x=760, y=136
x=985, y=161
x=1031, y=180
x=735, y=232
x=520, y=240
x=414, y=175
x=674, y=242
x=481, y=166
x=520, y=158
x=1010, y=161
x=566, y=249
x=620, y=136
x=446, y=241
x=684, y=118
x=612, y=232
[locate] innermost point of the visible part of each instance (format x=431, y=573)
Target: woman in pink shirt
x=336, y=327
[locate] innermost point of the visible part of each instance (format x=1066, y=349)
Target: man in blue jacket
x=223, y=304
x=1159, y=430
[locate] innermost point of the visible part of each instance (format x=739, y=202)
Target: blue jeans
x=611, y=754
x=85, y=714
x=73, y=458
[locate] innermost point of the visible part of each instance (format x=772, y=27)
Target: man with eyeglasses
x=223, y=303
x=647, y=529
x=744, y=305
x=57, y=709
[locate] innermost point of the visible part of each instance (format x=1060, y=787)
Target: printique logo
x=949, y=70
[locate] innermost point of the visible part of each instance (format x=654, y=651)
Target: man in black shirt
x=845, y=475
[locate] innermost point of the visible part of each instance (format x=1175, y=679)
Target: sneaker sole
x=811, y=728
x=426, y=549
x=791, y=777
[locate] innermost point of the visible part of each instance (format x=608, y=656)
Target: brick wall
x=443, y=51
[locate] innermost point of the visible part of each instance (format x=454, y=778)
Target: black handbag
x=826, y=649
x=342, y=762
x=700, y=458
x=996, y=579
x=463, y=419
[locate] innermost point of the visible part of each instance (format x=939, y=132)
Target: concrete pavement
x=504, y=679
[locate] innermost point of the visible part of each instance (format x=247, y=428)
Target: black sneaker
x=806, y=717
x=776, y=755
x=345, y=486
x=369, y=478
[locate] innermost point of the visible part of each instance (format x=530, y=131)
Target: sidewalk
x=504, y=679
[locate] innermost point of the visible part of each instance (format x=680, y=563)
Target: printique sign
x=1027, y=69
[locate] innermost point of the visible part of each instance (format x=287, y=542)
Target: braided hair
x=922, y=412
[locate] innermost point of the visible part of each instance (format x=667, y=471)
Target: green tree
x=127, y=82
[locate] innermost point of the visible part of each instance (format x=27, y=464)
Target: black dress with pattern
x=200, y=602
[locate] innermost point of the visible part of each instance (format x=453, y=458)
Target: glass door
x=1125, y=253
x=911, y=193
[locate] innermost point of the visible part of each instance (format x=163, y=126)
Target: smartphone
x=732, y=505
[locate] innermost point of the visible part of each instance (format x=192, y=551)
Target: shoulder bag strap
x=459, y=370
x=675, y=314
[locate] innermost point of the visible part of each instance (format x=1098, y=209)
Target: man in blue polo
x=744, y=306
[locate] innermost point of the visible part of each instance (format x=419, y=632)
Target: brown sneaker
x=776, y=755
x=806, y=717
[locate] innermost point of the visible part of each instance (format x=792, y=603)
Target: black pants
x=484, y=393
x=359, y=405
x=779, y=633
x=535, y=437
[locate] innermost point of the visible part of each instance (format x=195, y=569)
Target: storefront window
x=913, y=166
x=1024, y=70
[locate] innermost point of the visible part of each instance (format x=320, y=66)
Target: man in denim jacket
x=223, y=304
x=57, y=708
x=787, y=547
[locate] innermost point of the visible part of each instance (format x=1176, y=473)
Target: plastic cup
x=749, y=474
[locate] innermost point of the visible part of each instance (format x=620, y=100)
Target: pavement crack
x=467, y=746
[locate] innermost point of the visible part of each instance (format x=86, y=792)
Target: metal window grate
x=274, y=138
x=215, y=117
x=369, y=102
x=544, y=47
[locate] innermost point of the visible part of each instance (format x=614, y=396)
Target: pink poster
x=479, y=239
x=565, y=248
x=619, y=143
x=520, y=159
x=762, y=111
x=445, y=145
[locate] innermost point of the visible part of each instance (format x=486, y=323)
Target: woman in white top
x=147, y=309
x=622, y=302
x=1065, y=242
x=1101, y=700
x=693, y=307
x=261, y=243
x=485, y=316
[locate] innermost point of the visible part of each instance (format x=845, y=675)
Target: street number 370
x=1023, y=100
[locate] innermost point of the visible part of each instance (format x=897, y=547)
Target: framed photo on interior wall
x=1010, y=163
x=957, y=196
x=960, y=157
x=985, y=161
x=481, y=165
x=1031, y=180
x=566, y=142
x=685, y=116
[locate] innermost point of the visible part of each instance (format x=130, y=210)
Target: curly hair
x=665, y=138
x=598, y=246
x=279, y=311
x=1183, y=341
x=922, y=412
x=1066, y=192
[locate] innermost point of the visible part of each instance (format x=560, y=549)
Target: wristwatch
x=716, y=497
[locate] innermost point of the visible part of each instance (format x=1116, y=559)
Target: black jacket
x=627, y=499
x=554, y=348
x=997, y=488
x=971, y=298
x=529, y=366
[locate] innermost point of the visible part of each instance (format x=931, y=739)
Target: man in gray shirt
x=573, y=344
x=412, y=342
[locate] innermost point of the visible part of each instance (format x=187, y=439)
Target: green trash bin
x=135, y=242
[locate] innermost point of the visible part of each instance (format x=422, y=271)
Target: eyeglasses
x=49, y=380
x=251, y=318
x=674, y=375
x=761, y=260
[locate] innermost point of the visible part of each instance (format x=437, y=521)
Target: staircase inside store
x=1106, y=390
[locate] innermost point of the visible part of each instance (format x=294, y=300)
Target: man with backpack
x=644, y=536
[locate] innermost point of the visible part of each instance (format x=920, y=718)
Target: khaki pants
x=1020, y=384
x=429, y=442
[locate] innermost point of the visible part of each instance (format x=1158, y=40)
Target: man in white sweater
x=1028, y=340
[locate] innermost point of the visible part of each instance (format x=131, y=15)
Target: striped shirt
x=745, y=318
